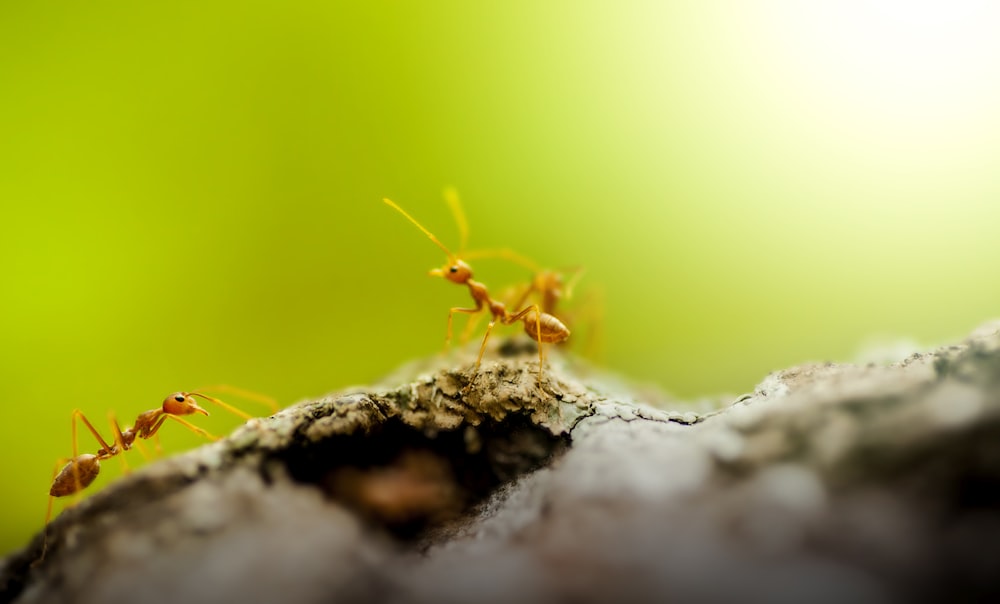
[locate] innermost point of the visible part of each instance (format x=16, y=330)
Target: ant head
x=181, y=403
x=456, y=271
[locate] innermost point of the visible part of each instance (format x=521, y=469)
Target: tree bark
x=828, y=483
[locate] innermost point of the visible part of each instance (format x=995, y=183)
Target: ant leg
x=116, y=432
x=77, y=414
x=48, y=514
x=524, y=296
x=470, y=327
x=451, y=313
x=482, y=347
x=479, y=358
x=242, y=393
x=538, y=333
x=142, y=448
x=55, y=472
x=541, y=347
x=514, y=318
x=593, y=345
x=76, y=453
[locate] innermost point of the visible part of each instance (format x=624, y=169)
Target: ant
x=81, y=470
x=550, y=286
x=540, y=326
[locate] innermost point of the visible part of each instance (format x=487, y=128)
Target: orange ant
x=548, y=285
x=540, y=326
x=82, y=470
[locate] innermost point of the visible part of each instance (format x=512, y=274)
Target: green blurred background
x=191, y=191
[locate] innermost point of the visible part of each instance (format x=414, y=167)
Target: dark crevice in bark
x=408, y=481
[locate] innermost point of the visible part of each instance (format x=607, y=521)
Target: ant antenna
x=225, y=406
x=393, y=205
x=451, y=198
x=505, y=254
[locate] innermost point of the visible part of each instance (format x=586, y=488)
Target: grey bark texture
x=828, y=483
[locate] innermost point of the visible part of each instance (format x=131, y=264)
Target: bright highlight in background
x=921, y=69
x=192, y=193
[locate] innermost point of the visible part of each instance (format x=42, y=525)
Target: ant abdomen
x=546, y=328
x=70, y=481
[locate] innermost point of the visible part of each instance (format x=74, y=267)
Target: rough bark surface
x=829, y=483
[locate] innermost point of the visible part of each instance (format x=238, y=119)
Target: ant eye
x=179, y=398
x=453, y=269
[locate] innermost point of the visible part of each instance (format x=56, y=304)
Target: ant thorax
x=498, y=309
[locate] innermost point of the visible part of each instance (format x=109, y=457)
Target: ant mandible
x=542, y=327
